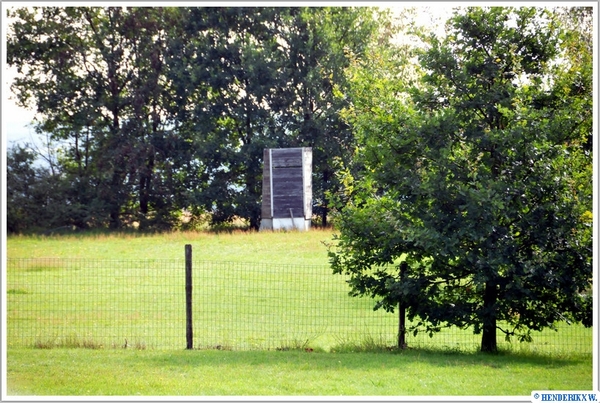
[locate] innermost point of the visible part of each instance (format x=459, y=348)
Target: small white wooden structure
x=287, y=189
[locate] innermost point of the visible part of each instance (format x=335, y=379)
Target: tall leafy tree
x=320, y=45
x=38, y=198
x=224, y=74
x=21, y=197
x=95, y=76
x=476, y=182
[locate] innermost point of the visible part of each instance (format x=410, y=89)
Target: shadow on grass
x=84, y=371
x=364, y=360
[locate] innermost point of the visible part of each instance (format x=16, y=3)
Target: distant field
x=257, y=287
x=281, y=247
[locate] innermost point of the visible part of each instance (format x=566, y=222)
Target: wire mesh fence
x=142, y=304
x=101, y=303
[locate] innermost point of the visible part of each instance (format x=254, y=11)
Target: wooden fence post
x=189, y=332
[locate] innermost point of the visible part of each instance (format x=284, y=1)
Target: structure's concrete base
x=299, y=224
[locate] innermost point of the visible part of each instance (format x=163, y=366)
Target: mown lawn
x=82, y=372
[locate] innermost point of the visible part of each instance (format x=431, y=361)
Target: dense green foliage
x=478, y=177
x=34, y=194
x=157, y=110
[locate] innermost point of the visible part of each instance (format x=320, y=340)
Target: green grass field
x=289, y=373
x=309, y=362
x=283, y=247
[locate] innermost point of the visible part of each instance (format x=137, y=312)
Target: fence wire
x=236, y=305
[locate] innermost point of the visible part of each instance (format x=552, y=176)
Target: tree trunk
x=114, y=200
x=324, y=210
x=145, y=185
x=115, y=221
x=402, y=312
x=324, y=215
x=488, y=339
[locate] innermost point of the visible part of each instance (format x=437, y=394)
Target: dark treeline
x=150, y=112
